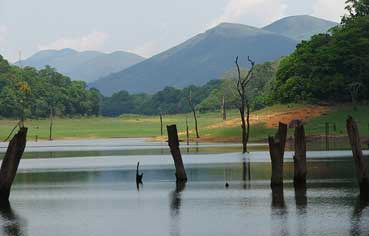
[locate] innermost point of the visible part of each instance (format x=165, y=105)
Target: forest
x=30, y=93
x=332, y=67
x=206, y=98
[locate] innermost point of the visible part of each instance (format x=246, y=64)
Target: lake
x=87, y=187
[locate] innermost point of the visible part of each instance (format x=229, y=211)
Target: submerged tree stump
x=276, y=148
x=299, y=158
x=173, y=143
x=361, y=166
x=138, y=176
x=10, y=163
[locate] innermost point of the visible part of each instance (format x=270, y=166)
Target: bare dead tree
x=224, y=112
x=51, y=123
x=354, y=89
x=242, y=83
x=161, y=124
x=194, y=113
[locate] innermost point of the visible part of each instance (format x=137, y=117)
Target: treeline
x=205, y=98
x=332, y=67
x=30, y=93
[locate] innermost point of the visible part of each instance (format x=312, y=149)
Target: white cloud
x=256, y=12
x=329, y=9
x=148, y=49
x=91, y=41
x=3, y=33
x=152, y=47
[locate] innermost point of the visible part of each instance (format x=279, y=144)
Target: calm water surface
x=91, y=193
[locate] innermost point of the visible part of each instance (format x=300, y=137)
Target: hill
x=200, y=59
x=86, y=66
x=300, y=27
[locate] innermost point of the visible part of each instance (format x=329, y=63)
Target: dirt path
x=272, y=118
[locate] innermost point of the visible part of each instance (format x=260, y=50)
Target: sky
x=145, y=27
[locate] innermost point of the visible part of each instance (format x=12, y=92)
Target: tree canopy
x=326, y=67
x=30, y=93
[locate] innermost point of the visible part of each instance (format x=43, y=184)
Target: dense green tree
x=323, y=68
x=30, y=93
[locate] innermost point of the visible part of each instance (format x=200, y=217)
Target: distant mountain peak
x=85, y=65
x=300, y=27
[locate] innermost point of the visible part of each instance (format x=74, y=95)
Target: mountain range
x=204, y=57
x=87, y=65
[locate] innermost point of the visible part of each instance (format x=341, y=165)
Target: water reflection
x=279, y=212
x=359, y=218
x=175, y=205
x=11, y=223
x=301, y=206
x=246, y=174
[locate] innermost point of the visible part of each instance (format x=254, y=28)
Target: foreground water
x=87, y=192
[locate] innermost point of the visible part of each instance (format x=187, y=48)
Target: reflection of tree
x=246, y=173
x=356, y=229
x=175, y=205
x=279, y=212
x=12, y=223
x=301, y=204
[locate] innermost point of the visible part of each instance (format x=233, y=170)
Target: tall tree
x=356, y=8
x=242, y=83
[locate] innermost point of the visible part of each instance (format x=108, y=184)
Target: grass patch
x=129, y=126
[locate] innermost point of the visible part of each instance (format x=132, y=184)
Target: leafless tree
x=224, y=111
x=354, y=89
x=242, y=83
x=194, y=113
x=51, y=123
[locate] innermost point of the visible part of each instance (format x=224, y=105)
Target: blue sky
x=145, y=27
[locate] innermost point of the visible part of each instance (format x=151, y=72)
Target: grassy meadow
x=211, y=125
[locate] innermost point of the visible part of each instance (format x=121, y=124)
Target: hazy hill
x=87, y=65
x=200, y=59
x=300, y=27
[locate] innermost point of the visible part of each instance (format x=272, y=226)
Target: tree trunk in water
x=176, y=153
x=276, y=148
x=10, y=163
x=51, y=124
x=361, y=166
x=300, y=170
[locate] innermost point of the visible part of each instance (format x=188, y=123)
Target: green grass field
x=149, y=126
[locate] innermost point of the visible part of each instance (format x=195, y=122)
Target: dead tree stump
x=361, y=166
x=176, y=153
x=10, y=163
x=299, y=158
x=276, y=148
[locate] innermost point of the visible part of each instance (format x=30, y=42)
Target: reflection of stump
x=276, y=149
x=300, y=170
x=13, y=226
x=357, y=217
x=175, y=205
x=361, y=166
x=10, y=163
x=176, y=153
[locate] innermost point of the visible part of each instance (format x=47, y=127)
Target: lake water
x=88, y=188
